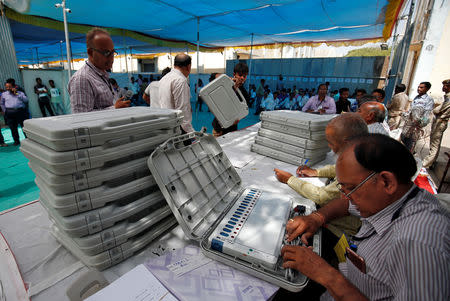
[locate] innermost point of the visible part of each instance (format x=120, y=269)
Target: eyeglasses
x=106, y=53
x=347, y=195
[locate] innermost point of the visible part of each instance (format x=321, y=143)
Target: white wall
x=29, y=80
x=433, y=64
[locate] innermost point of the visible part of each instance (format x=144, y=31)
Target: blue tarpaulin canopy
x=171, y=25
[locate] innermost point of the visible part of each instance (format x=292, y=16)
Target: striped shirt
x=408, y=257
x=90, y=90
x=377, y=128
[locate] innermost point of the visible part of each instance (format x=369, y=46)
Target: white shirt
x=174, y=93
x=152, y=90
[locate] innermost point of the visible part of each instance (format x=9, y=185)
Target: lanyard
x=396, y=214
x=103, y=79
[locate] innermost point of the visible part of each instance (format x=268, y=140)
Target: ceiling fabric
x=151, y=26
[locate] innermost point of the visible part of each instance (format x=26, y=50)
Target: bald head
x=372, y=111
x=182, y=62
x=100, y=49
x=343, y=128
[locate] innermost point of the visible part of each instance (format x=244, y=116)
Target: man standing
x=152, y=90
x=424, y=100
x=13, y=105
x=135, y=88
x=373, y=114
x=398, y=105
x=320, y=103
x=43, y=99
x=89, y=87
x=442, y=115
x=401, y=251
x=422, y=105
x=174, y=91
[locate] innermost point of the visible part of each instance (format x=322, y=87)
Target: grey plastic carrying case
x=77, y=131
x=200, y=185
x=120, y=150
x=82, y=180
x=121, y=232
x=293, y=140
x=297, y=119
x=96, y=220
x=282, y=156
x=223, y=102
x=290, y=149
x=77, y=202
x=120, y=252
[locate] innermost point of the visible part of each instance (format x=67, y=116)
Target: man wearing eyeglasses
x=401, y=251
x=89, y=87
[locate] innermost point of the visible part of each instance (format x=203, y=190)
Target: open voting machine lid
x=198, y=181
x=77, y=131
x=306, y=121
x=223, y=101
x=200, y=185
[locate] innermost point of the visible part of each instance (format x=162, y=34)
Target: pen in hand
x=299, y=173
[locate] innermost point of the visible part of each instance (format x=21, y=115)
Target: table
x=49, y=269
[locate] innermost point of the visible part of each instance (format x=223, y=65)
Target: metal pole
x=250, y=64
x=131, y=63
x=62, y=55
x=66, y=32
x=198, y=52
x=198, y=61
x=126, y=62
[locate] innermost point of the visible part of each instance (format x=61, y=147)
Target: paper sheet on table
x=139, y=284
x=211, y=281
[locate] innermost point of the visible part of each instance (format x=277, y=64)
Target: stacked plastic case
x=292, y=136
x=94, y=181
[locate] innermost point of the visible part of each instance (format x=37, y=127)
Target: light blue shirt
x=425, y=101
x=13, y=101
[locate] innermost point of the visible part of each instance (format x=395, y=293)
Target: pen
x=300, y=171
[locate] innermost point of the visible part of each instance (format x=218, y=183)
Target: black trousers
x=44, y=102
x=14, y=118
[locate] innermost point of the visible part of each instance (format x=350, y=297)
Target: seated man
x=320, y=103
x=373, y=114
x=401, y=251
x=338, y=131
x=268, y=103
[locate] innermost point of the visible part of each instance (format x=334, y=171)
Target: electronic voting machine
x=241, y=227
x=226, y=104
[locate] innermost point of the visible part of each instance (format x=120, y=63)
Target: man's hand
x=14, y=91
x=217, y=133
x=237, y=82
x=282, y=176
x=306, y=226
x=305, y=171
x=322, y=111
x=304, y=260
x=310, y=111
x=121, y=103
